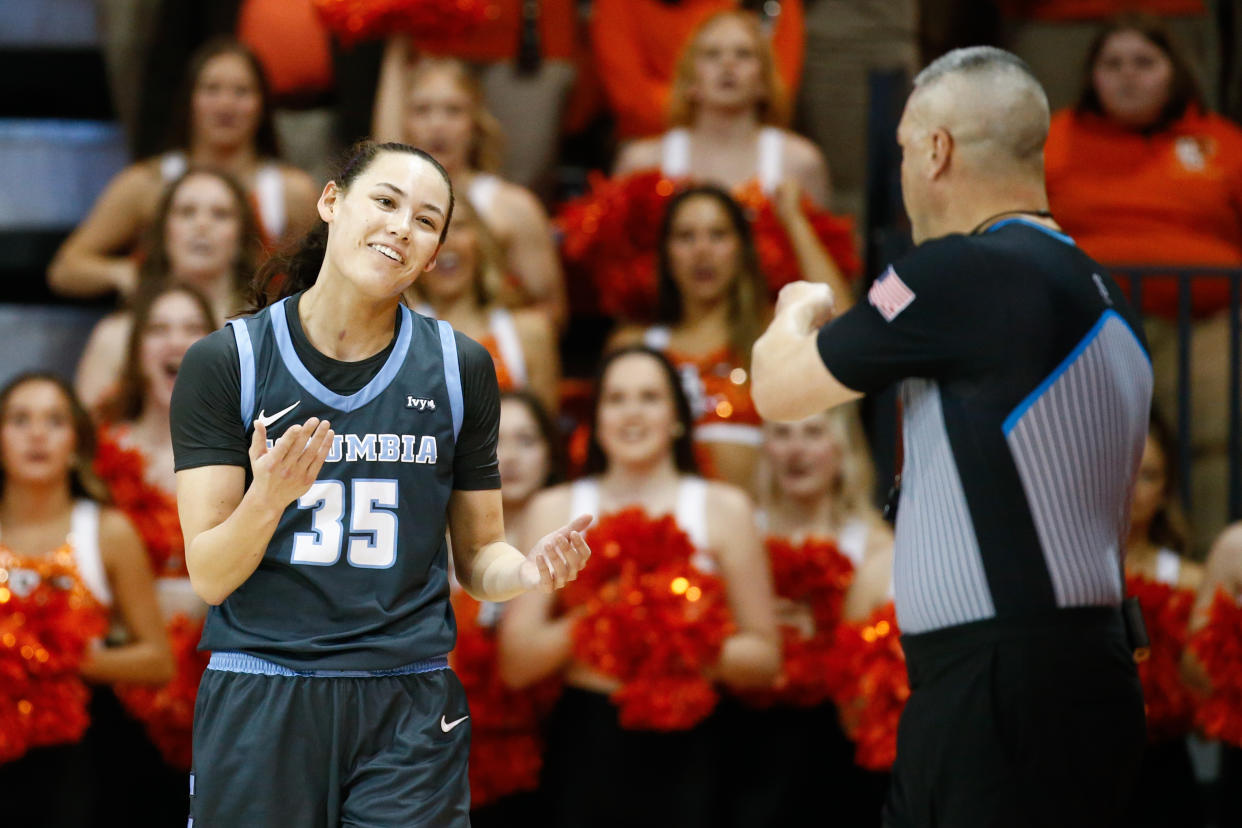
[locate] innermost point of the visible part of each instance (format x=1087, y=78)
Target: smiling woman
x=322, y=548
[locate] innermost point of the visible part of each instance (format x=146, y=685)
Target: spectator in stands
x=640, y=456
x=438, y=106
x=54, y=524
x=788, y=759
x=1139, y=172
x=727, y=112
x=638, y=45
x=202, y=235
x=225, y=122
x=462, y=290
x=712, y=305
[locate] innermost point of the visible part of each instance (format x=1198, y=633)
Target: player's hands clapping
x=287, y=469
x=558, y=557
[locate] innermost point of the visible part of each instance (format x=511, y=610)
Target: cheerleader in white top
x=436, y=104
x=225, y=123
x=598, y=771
x=794, y=762
x=727, y=114
x=67, y=567
x=1164, y=582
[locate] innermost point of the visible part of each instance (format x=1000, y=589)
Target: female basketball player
x=322, y=547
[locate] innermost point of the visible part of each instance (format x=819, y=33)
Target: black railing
x=1186, y=276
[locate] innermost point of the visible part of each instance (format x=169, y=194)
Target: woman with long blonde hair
x=728, y=113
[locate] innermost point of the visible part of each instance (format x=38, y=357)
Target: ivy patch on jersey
x=889, y=295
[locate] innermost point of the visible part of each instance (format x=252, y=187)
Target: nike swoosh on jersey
x=267, y=421
x=447, y=726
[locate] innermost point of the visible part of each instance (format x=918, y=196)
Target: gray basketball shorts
x=320, y=749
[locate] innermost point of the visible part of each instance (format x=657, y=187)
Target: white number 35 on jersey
x=372, y=524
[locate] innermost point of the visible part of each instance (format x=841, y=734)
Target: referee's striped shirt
x=1026, y=387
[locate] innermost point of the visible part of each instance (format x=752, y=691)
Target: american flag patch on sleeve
x=889, y=295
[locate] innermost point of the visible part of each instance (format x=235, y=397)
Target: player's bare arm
x=491, y=569
x=226, y=526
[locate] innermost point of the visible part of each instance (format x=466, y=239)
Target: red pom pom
x=610, y=236
x=870, y=686
x=426, y=21
x=1218, y=647
x=651, y=620
x=1166, y=614
x=505, y=746
x=167, y=711
x=152, y=510
x=48, y=618
x=815, y=575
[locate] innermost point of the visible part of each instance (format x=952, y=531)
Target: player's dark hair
x=156, y=265
x=552, y=438
x=748, y=294
x=83, y=482
x=683, y=443
x=126, y=403
x=181, y=130
x=1184, y=88
x=296, y=268
x=1169, y=527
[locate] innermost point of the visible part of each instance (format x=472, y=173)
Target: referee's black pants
x=1030, y=723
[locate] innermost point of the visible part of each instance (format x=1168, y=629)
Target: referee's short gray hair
x=972, y=59
x=998, y=101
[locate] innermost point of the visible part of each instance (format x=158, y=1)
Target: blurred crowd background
x=635, y=181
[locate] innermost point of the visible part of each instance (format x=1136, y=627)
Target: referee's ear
x=941, y=141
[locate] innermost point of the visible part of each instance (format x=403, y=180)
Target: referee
x=1025, y=384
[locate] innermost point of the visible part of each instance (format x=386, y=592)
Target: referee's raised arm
x=1025, y=386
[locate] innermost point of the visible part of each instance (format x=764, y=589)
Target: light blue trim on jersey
x=1014, y=416
x=452, y=375
x=379, y=382
x=235, y=662
x=1034, y=225
x=245, y=359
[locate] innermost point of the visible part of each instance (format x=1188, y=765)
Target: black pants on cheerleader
x=599, y=775
x=135, y=786
x=48, y=786
x=785, y=766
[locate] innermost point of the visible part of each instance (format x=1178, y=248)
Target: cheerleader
x=224, y=120
x=599, y=773
x=712, y=305
x=203, y=235
x=728, y=111
x=56, y=537
x=1164, y=581
x=506, y=744
x=437, y=104
x=462, y=290
x=821, y=525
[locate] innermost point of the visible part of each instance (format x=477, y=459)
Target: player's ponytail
x=296, y=268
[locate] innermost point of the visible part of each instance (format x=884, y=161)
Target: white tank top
x=83, y=540
x=501, y=325
x=851, y=539
x=482, y=192
x=675, y=156
x=690, y=513
x=1168, y=567
x=269, y=190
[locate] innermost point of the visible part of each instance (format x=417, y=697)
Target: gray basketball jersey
x=356, y=575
